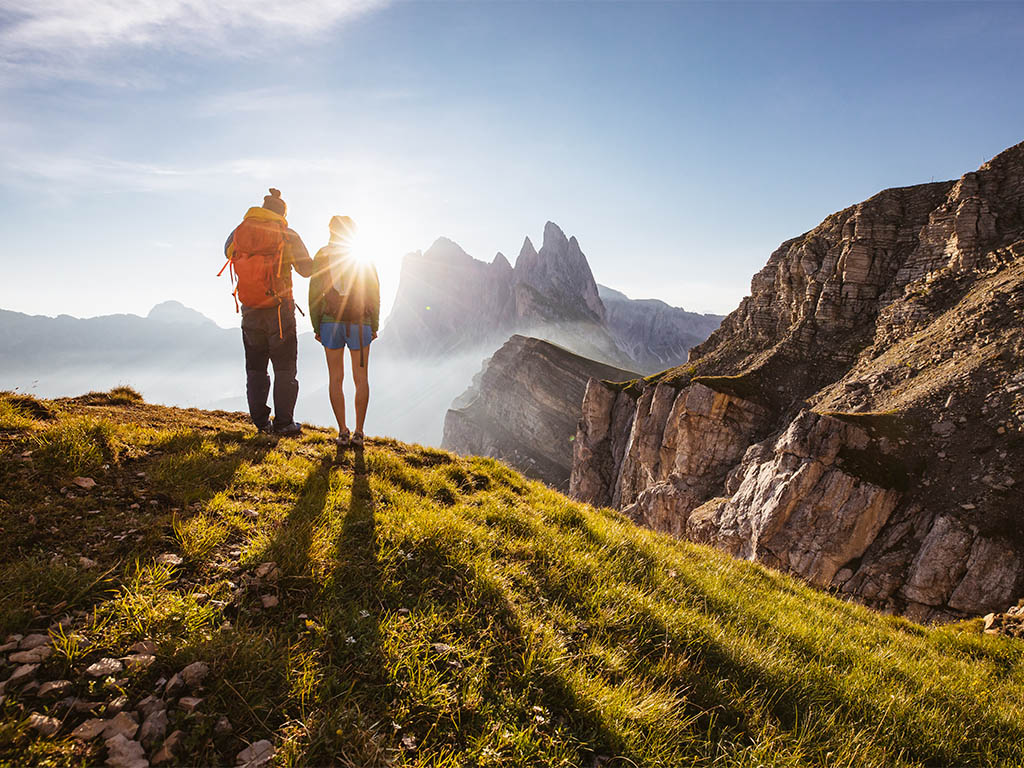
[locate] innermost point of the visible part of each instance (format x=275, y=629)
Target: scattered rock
x=125, y=753
x=33, y=641
x=22, y=674
x=170, y=746
x=194, y=674
x=146, y=647
x=104, y=667
x=40, y=653
x=149, y=705
x=84, y=482
x=153, y=729
x=116, y=706
x=269, y=601
x=139, y=661
x=86, y=562
x=175, y=686
x=171, y=559
x=123, y=724
x=89, y=730
x=54, y=688
x=268, y=570
x=189, y=704
x=223, y=726
x=83, y=706
x=43, y=725
x=256, y=755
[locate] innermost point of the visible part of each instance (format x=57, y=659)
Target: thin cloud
x=53, y=37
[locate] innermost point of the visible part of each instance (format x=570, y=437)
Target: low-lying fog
x=204, y=367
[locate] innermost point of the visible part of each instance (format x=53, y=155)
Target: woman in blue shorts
x=344, y=306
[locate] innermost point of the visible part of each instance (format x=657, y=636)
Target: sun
x=365, y=248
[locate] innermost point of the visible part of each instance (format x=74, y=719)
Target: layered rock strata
x=523, y=408
x=872, y=440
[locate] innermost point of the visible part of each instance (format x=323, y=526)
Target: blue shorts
x=334, y=335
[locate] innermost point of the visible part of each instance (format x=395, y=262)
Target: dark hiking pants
x=265, y=342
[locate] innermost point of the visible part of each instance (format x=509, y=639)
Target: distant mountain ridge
x=449, y=301
x=654, y=334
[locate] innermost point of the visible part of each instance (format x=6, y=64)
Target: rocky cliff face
x=657, y=336
x=448, y=301
x=523, y=408
x=859, y=419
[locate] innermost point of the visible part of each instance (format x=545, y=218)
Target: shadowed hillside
x=175, y=587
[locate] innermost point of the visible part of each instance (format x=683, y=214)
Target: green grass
x=445, y=611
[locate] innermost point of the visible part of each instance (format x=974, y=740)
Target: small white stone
x=171, y=559
x=84, y=482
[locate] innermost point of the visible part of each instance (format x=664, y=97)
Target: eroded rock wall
x=859, y=419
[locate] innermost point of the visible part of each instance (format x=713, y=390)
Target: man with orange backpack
x=261, y=252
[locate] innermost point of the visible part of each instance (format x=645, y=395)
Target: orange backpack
x=256, y=263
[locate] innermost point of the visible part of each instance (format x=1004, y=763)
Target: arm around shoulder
x=297, y=253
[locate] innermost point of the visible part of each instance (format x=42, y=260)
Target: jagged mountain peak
x=527, y=252
x=554, y=236
x=501, y=262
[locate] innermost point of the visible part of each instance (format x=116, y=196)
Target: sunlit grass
x=441, y=611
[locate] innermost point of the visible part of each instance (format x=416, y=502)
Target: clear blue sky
x=680, y=142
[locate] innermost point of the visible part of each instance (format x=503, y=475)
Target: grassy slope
x=436, y=610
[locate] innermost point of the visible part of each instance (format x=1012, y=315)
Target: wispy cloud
x=55, y=37
x=67, y=175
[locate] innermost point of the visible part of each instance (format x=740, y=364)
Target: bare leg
x=362, y=384
x=335, y=378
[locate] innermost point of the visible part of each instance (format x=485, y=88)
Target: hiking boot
x=289, y=429
x=343, y=439
x=357, y=439
x=265, y=429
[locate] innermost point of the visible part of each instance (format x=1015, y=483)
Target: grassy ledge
x=404, y=606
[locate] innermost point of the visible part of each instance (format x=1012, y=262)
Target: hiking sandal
x=343, y=438
x=357, y=439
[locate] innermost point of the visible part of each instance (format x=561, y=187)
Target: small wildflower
x=350, y=640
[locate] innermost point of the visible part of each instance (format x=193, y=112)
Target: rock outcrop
x=657, y=336
x=859, y=419
x=523, y=408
